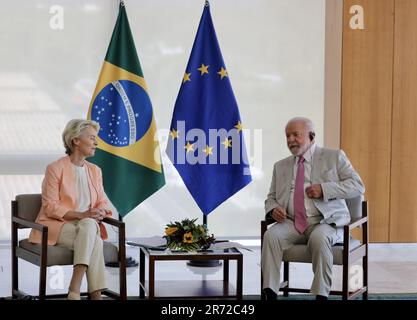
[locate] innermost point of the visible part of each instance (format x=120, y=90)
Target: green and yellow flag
x=128, y=149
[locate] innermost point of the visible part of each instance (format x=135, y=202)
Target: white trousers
x=282, y=236
x=83, y=237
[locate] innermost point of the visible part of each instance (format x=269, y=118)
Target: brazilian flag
x=128, y=149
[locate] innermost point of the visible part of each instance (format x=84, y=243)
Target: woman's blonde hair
x=73, y=130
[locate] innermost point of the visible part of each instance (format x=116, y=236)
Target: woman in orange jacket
x=73, y=205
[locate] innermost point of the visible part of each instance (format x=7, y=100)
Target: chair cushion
x=300, y=253
x=56, y=255
x=63, y=256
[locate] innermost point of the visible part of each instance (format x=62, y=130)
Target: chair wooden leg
x=122, y=264
x=365, y=277
x=345, y=282
x=263, y=297
x=15, y=262
x=43, y=266
x=42, y=282
x=286, y=277
x=15, y=275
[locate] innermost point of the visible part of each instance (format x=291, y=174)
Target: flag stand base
x=130, y=262
x=204, y=263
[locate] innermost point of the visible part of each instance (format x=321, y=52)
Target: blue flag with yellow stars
x=206, y=142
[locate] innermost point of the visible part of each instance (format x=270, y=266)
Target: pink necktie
x=299, y=208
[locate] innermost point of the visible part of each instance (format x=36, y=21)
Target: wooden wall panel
x=367, y=105
x=333, y=73
x=403, y=219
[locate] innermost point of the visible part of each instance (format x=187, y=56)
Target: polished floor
x=392, y=269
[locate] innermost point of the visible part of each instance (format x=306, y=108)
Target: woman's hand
x=95, y=213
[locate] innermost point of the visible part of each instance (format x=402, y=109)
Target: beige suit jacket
x=330, y=168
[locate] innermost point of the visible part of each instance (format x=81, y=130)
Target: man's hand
x=314, y=191
x=279, y=214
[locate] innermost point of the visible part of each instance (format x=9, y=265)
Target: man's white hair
x=308, y=123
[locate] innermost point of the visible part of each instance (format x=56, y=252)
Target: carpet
x=371, y=296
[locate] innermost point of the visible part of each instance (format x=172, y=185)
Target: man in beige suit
x=306, y=199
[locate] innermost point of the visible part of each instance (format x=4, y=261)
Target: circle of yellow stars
x=204, y=69
x=227, y=143
x=208, y=150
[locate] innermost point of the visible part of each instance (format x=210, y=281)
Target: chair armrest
x=356, y=223
x=267, y=221
x=114, y=222
x=30, y=224
x=264, y=226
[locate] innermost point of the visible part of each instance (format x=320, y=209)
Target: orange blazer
x=59, y=197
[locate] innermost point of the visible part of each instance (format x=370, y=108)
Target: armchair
x=25, y=209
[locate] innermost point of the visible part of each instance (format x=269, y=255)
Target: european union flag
x=206, y=142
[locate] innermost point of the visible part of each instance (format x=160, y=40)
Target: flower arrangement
x=187, y=235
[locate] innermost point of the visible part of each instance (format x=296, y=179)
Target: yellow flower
x=170, y=230
x=188, y=237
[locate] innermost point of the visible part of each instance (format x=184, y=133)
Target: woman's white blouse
x=81, y=188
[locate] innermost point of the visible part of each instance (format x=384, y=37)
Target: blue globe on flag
x=124, y=111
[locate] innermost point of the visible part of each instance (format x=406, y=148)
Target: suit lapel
x=287, y=178
x=68, y=180
x=315, y=164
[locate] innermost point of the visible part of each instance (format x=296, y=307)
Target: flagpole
x=112, y=79
x=213, y=83
x=205, y=263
